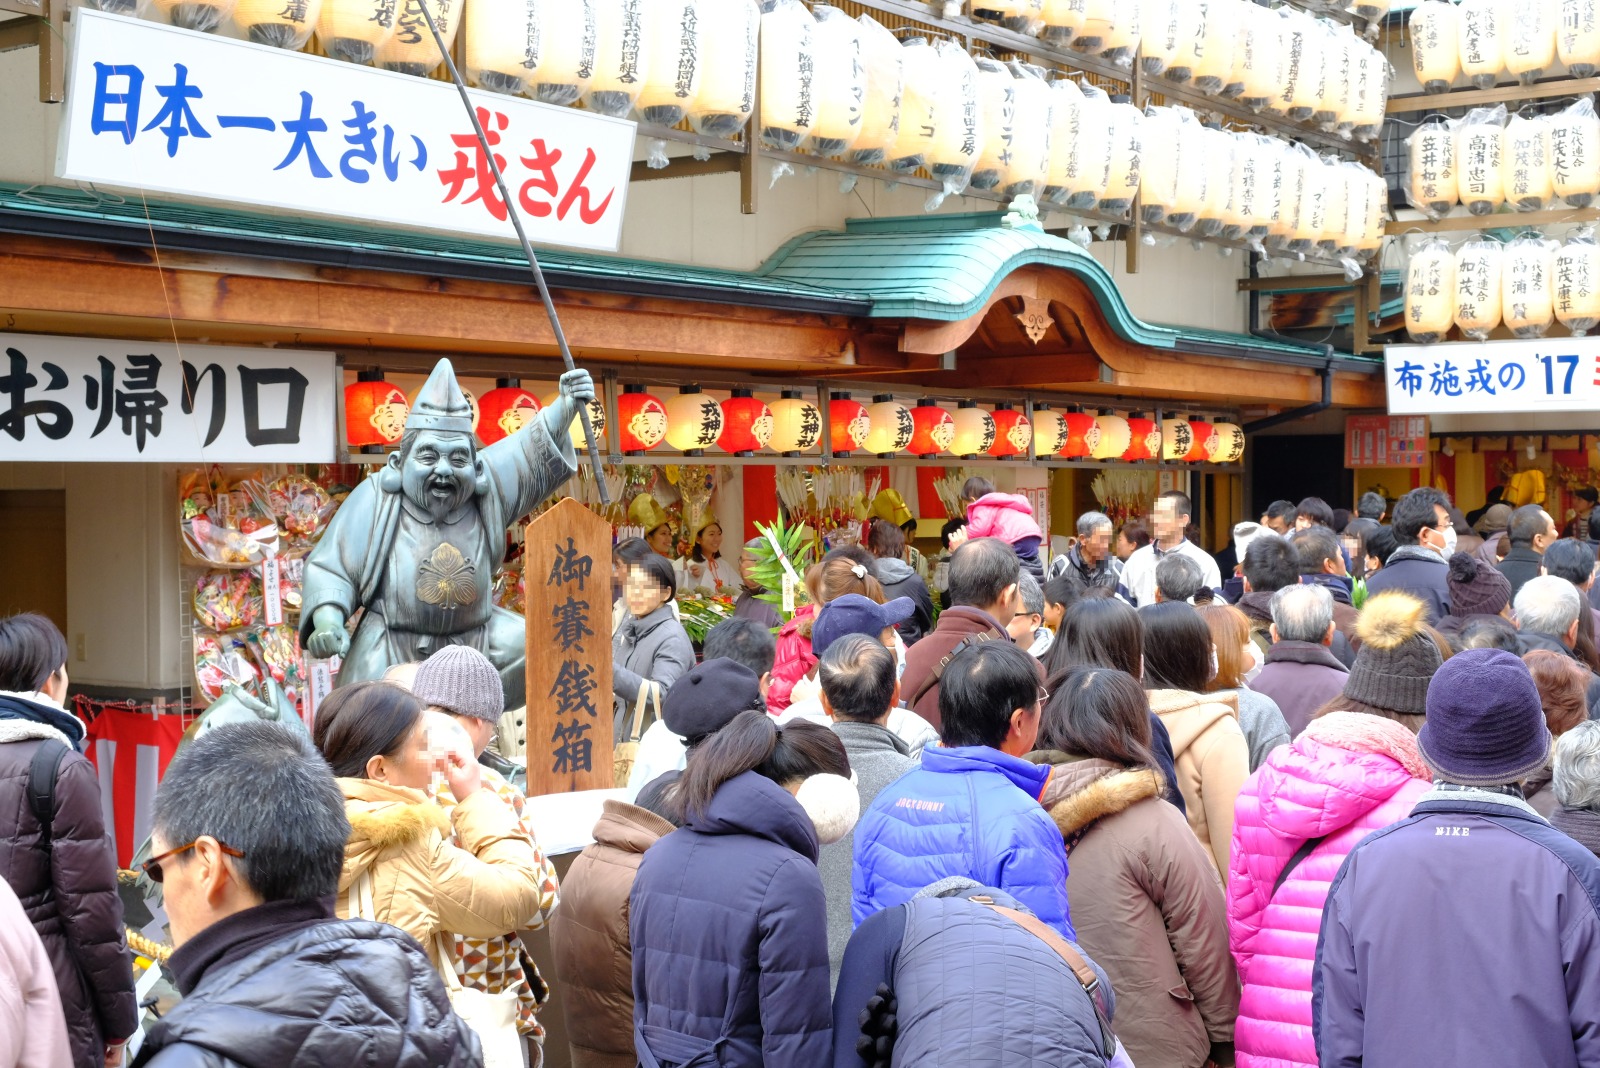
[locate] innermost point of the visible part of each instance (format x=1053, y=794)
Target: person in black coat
x=1530, y=532
x=887, y=542
x=269, y=976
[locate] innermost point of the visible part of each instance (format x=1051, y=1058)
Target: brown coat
x=424, y=884
x=955, y=625
x=589, y=933
x=1211, y=759
x=1148, y=906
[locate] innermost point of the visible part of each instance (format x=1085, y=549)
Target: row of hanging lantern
x=1478, y=40
x=1525, y=285
x=1484, y=160
x=375, y=411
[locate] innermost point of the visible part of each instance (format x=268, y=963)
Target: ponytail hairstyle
x=753, y=741
x=848, y=570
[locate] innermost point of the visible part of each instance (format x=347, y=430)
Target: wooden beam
x=687, y=167
x=1295, y=281
x=1500, y=94
x=1505, y=220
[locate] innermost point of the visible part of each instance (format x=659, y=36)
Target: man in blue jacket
x=1427, y=537
x=972, y=807
x=1468, y=934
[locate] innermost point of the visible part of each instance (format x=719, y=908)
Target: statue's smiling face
x=441, y=471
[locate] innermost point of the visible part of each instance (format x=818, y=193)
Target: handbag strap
x=447, y=964
x=1293, y=862
x=1086, y=976
x=645, y=687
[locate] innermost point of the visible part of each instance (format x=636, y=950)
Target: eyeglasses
x=152, y=867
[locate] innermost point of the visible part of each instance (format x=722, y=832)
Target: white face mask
x=833, y=803
x=899, y=655
x=1449, y=535
x=1252, y=660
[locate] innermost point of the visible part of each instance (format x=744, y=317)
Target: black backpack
x=42, y=786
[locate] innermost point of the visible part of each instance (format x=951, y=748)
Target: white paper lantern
x=1431, y=175
x=1477, y=303
x=975, y=430
x=796, y=424
x=1480, y=159
x=1336, y=188
x=1062, y=21
x=1158, y=163
x=1435, y=48
x=1574, y=141
x=881, y=55
x=1577, y=281
x=621, y=63
x=1218, y=44
x=839, y=82
x=730, y=43
x=1578, y=37
x=997, y=105
x=1527, y=301
x=1226, y=445
x=1372, y=94
x=1528, y=184
x=1340, y=72
x=203, y=16
x=1020, y=16
x=279, y=23
x=1050, y=430
x=411, y=49
x=925, y=105
x=1089, y=168
x=694, y=420
x=1481, y=41
x=1160, y=33
x=1430, y=292
x=1193, y=40
x=1066, y=117
x=567, y=50
x=1261, y=68
x=1377, y=208
x=788, y=66
x=503, y=40
x=1253, y=198
x=1033, y=126
x=955, y=150
x=1110, y=29
x=1127, y=150
x=1094, y=24
x=1213, y=211
x=1302, y=82
x=352, y=30
x=1115, y=437
x=892, y=426
x=1196, y=170
x=674, y=44
x=1530, y=38
x=1357, y=193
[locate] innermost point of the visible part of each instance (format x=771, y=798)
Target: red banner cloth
x=131, y=751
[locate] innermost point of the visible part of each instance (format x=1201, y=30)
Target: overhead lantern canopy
x=731, y=31
x=694, y=421
x=974, y=430
x=796, y=424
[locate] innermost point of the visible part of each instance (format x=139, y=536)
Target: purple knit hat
x=1485, y=726
x=1475, y=587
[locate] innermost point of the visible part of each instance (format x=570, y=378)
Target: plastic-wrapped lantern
x=279, y=24
x=1335, y=210
x=1297, y=97
x=1083, y=433
x=1431, y=187
x=787, y=73
x=1527, y=180
x=796, y=424
x=1032, y=124
x=567, y=51
x=932, y=430
x=1531, y=38
x=641, y=420
x=352, y=30
x=1339, y=76
x=207, y=15
x=1012, y=432
x=1063, y=19
x=731, y=32
x=1574, y=141
x=1122, y=183
x=1214, y=209
x=1094, y=24
x=505, y=410
x=597, y=422
x=891, y=426
x=1261, y=69
x=839, y=83
x=1376, y=203
x=1220, y=45
x=1434, y=44
x=1049, y=431
x=1160, y=33
x=694, y=421
x=1227, y=444
x=882, y=57
x=1089, y=166
x=1480, y=42
x=997, y=104
x=1477, y=300
x=503, y=41
x=1578, y=37
x=974, y=430
x=374, y=414
x=1158, y=164
x=1195, y=39
x=1368, y=106
x=1577, y=271
x=1430, y=292
x=1202, y=432
x=411, y=49
x=1023, y=16
x=1526, y=289
x=955, y=150
x=848, y=423
x=1066, y=114
x=1480, y=159
x=746, y=424
x=1177, y=439
x=924, y=105
x=1144, y=438
x=1121, y=32
x=1114, y=436
x=621, y=62
x=1244, y=185
x=673, y=43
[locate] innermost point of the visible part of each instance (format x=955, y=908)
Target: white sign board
x=159, y=109
x=1558, y=374
x=66, y=399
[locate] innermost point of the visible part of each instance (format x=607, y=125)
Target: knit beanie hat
x=463, y=682
x=1485, y=725
x=1397, y=657
x=1475, y=588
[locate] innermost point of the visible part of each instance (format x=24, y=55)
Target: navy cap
x=854, y=614
x=706, y=699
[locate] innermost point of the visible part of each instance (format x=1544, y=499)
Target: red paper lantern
x=641, y=420
x=848, y=424
x=503, y=411
x=1012, y=432
x=934, y=429
x=1145, y=438
x=1082, y=434
x=374, y=413
x=746, y=424
x=1200, y=451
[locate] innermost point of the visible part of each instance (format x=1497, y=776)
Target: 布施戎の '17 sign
x=161, y=109
x=1557, y=374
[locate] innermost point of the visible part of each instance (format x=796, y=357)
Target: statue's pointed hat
x=440, y=403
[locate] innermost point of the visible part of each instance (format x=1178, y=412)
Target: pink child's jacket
x=1006, y=516
x=1347, y=775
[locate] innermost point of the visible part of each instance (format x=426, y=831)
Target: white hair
x=1547, y=605
x=1089, y=522
x=1575, y=777
x=1302, y=613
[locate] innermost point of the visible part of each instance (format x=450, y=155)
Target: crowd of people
x=1332, y=799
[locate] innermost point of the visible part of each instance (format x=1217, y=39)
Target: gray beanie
x=1398, y=657
x=462, y=681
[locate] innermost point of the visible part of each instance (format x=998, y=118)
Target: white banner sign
x=65, y=399
x=1559, y=374
x=160, y=109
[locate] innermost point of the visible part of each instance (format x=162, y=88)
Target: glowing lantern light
x=924, y=105
x=1432, y=185
x=505, y=410
x=567, y=52
x=1434, y=49
x=597, y=421
x=502, y=43
x=374, y=413
x=1066, y=108
x=1219, y=45
x=1480, y=155
x=1012, y=432
x=1371, y=94
x=1299, y=96
x=731, y=32
x=411, y=49
x=1032, y=125
x=352, y=30
x=1115, y=436
x=1481, y=41
x=1227, y=444
x=1261, y=66
x=1577, y=271
x=1203, y=434
x=1083, y=434
x=746, y=424
x=997, y=105
x=788, y=66
x=954, y=150
x=891, y=425
x=933, y=429
x=641, y=420
x=1144, y=438
x=975, y=430
x=205, y=17
x=275, y=23
x=1578, y=37
x=1529, y=185
x=1050, y=431
x=673, y=43
x=1531, y=38
x=1527, y=295
x=1177, y=439
x=1089, y=166
x=1477, y=301
x=1214, y=211
x=621, y=61
x=1122, y=184
x=1121, y=32
x=883, y=59
x=1062, y=21
x=694, y=421
x=1430, y=292
x=1161, y=31
x=796, y=424
x=1158, y=175
x=1574, y=140
x=839, y=83
x=849, y=424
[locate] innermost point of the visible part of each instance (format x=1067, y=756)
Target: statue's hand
x=329, y=638
x=578, y=386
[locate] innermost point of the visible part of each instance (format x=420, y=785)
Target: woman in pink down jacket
x=1347, y=775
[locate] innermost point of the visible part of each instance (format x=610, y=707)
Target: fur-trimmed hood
x=1081, y=791
x=384, y=817
x=22, y=730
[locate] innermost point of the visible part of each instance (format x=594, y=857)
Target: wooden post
x=567, y=567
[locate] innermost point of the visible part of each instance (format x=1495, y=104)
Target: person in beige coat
x=1212, y=758
x=472, y=872
x=33, y=1029
x=589, y=933
x=1146, y=902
